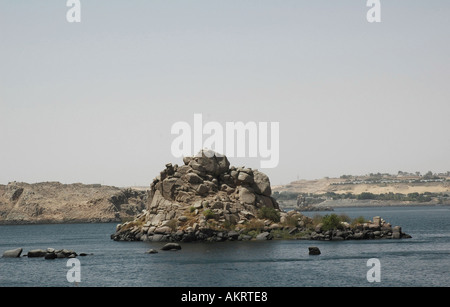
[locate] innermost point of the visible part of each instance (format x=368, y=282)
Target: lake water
x=423, y=260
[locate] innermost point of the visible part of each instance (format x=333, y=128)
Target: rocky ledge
x=49, y=253
x=207, y=200
x=378, y=228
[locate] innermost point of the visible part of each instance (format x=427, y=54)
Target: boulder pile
x=378, y=228
x=199, y=200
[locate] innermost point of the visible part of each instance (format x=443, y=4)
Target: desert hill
x=373, y=189
x=54, y=202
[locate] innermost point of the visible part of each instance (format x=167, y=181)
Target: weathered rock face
x=190, y=202
x=204, y=176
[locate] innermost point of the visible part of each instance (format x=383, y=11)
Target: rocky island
x=207, y=200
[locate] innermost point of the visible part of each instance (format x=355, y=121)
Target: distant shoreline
x=367, y=184
x=374, y=190
x=285, y=207
x=352, y=203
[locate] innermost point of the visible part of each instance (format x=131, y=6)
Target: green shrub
x=331, y=221
x=209, y=214
x=269, y=213
x=317, y=219
x=253, y=233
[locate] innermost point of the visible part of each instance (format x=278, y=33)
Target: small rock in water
x=14, y=253
x=171, y=246
x=151, y=251
x=313, y=250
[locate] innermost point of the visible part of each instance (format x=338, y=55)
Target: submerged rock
x=171, y=246
x=314, y=250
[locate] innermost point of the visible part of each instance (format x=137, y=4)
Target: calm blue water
x=423, y=260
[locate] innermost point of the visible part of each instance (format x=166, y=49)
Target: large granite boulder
x=262, y=183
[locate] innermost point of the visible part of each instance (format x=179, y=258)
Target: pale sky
x=94, y=102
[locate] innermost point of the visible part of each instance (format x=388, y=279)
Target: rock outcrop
x=375, y=229
x=49, y=253
x=206, y=199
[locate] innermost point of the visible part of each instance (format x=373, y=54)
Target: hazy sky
x=94, y=102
